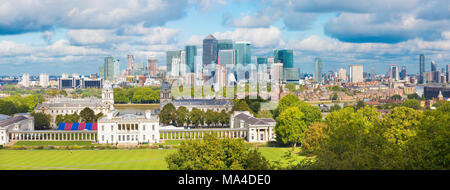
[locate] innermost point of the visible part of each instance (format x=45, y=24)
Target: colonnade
x=183, y=134
x=53, y=135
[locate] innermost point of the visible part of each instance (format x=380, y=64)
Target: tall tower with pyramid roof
x=210, y=52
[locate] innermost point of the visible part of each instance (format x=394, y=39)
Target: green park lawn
x=135, y=159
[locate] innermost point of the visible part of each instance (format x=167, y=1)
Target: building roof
x=253, y=120
x=9, y=121
x=2, y=117
x=181, y=102
x=210, y=37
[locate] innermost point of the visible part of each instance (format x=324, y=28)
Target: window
x=112, y=138
x=119, y=137
x=153, y=127
x=144, y=127
x=103, y=138
x=153, y=137
x=112, y=128
x=143, y=137
x=103, y=128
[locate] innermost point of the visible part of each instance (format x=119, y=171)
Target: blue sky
x=63, y=36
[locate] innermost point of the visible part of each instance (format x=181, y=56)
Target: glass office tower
x=284, y=56
x=243, y=53
x=318, y=70
x=191, y=52
x=224, y=44
x=169, y=56
x=210, y=50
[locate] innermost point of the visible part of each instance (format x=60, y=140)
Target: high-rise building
x=422, y=69
x=210, y=50
x=243, y=53
x=191, y=52
x=433, y=66
x=318, y=70
x=111, y=68
x=130, y=64
x=356, y=73
x=152, y=67
x=394, y=72
x=226, y=57
x=44, y=80
x=284, y=56
x=403, y=73
x=342, y=74
x=224, y=44
x=261, y=60
x=26, y=80
x=169, y=56
x=276, y=73
x=447, y=70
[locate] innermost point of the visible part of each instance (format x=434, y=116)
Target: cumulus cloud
x=260, y=19
x=22, y=16
x=12, y=49
x=260, y=37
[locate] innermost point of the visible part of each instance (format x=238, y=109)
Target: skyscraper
x=318, y=70
x=394, y=72
x=261, y=60
x=191, y=52
x=447, y=72
x=210, y=50
x=224, y=44
x=421, y=69
x=342, y=74
x=433, y=66
x=26, y=80
x=226, y=57
x=111, y=68
x=130, y=64
x=169, y=56
x=284, y=56
x=152, y=68
x=44, y=80
x=243, y=53
x=403, y=73
x=356, y=73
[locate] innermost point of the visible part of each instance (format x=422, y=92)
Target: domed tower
x=108, y=94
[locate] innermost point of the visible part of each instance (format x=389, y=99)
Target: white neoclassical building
x=128, y=128
x=19, y=122
x=62, y=106
x=258, y=129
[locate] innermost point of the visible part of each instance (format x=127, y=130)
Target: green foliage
x=285, y=102
x=224, y=118
x=264, y=114
x=137, y=95
x=335, y=107
x=414, y=96
x=197, y=117
x=240, y=105
x=182, y=116
x=396, y=97
x=401, y=124
x=290, y=126
x=168, y=114
x=412, y=103
x=41, y=121
x=360, y=104
x=212, y=153
x=315, y=137
x=87, y=115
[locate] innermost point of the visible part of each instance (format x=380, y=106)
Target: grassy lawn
x=54, y=143
x=140, y=159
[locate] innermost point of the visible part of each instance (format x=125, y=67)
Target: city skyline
x=36, y=37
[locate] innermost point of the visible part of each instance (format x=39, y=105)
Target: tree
x=168, y=114
x=211, y=117
x=414, y=96
x=7, y=107
x=335, y=107
x=334, y=96
x=59, y=119
x=290, y=126
x=72, y=118
x=182, y=116
x=360, y=104
x=412, y=103
x=285, y=102
x=41, y=121
x=396, y=97
x=264, y=114
x=212, y=153
x=315, y=136
x=240, y=105
x=197, y=116
x=429, y=149
x=87, y=115
x=401, y=124
x=224, y=118
x=312, y=113
x=120, y=96
x=290, y=86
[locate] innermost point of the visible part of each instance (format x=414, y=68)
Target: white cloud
x=11, y=49
x=260, y=37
